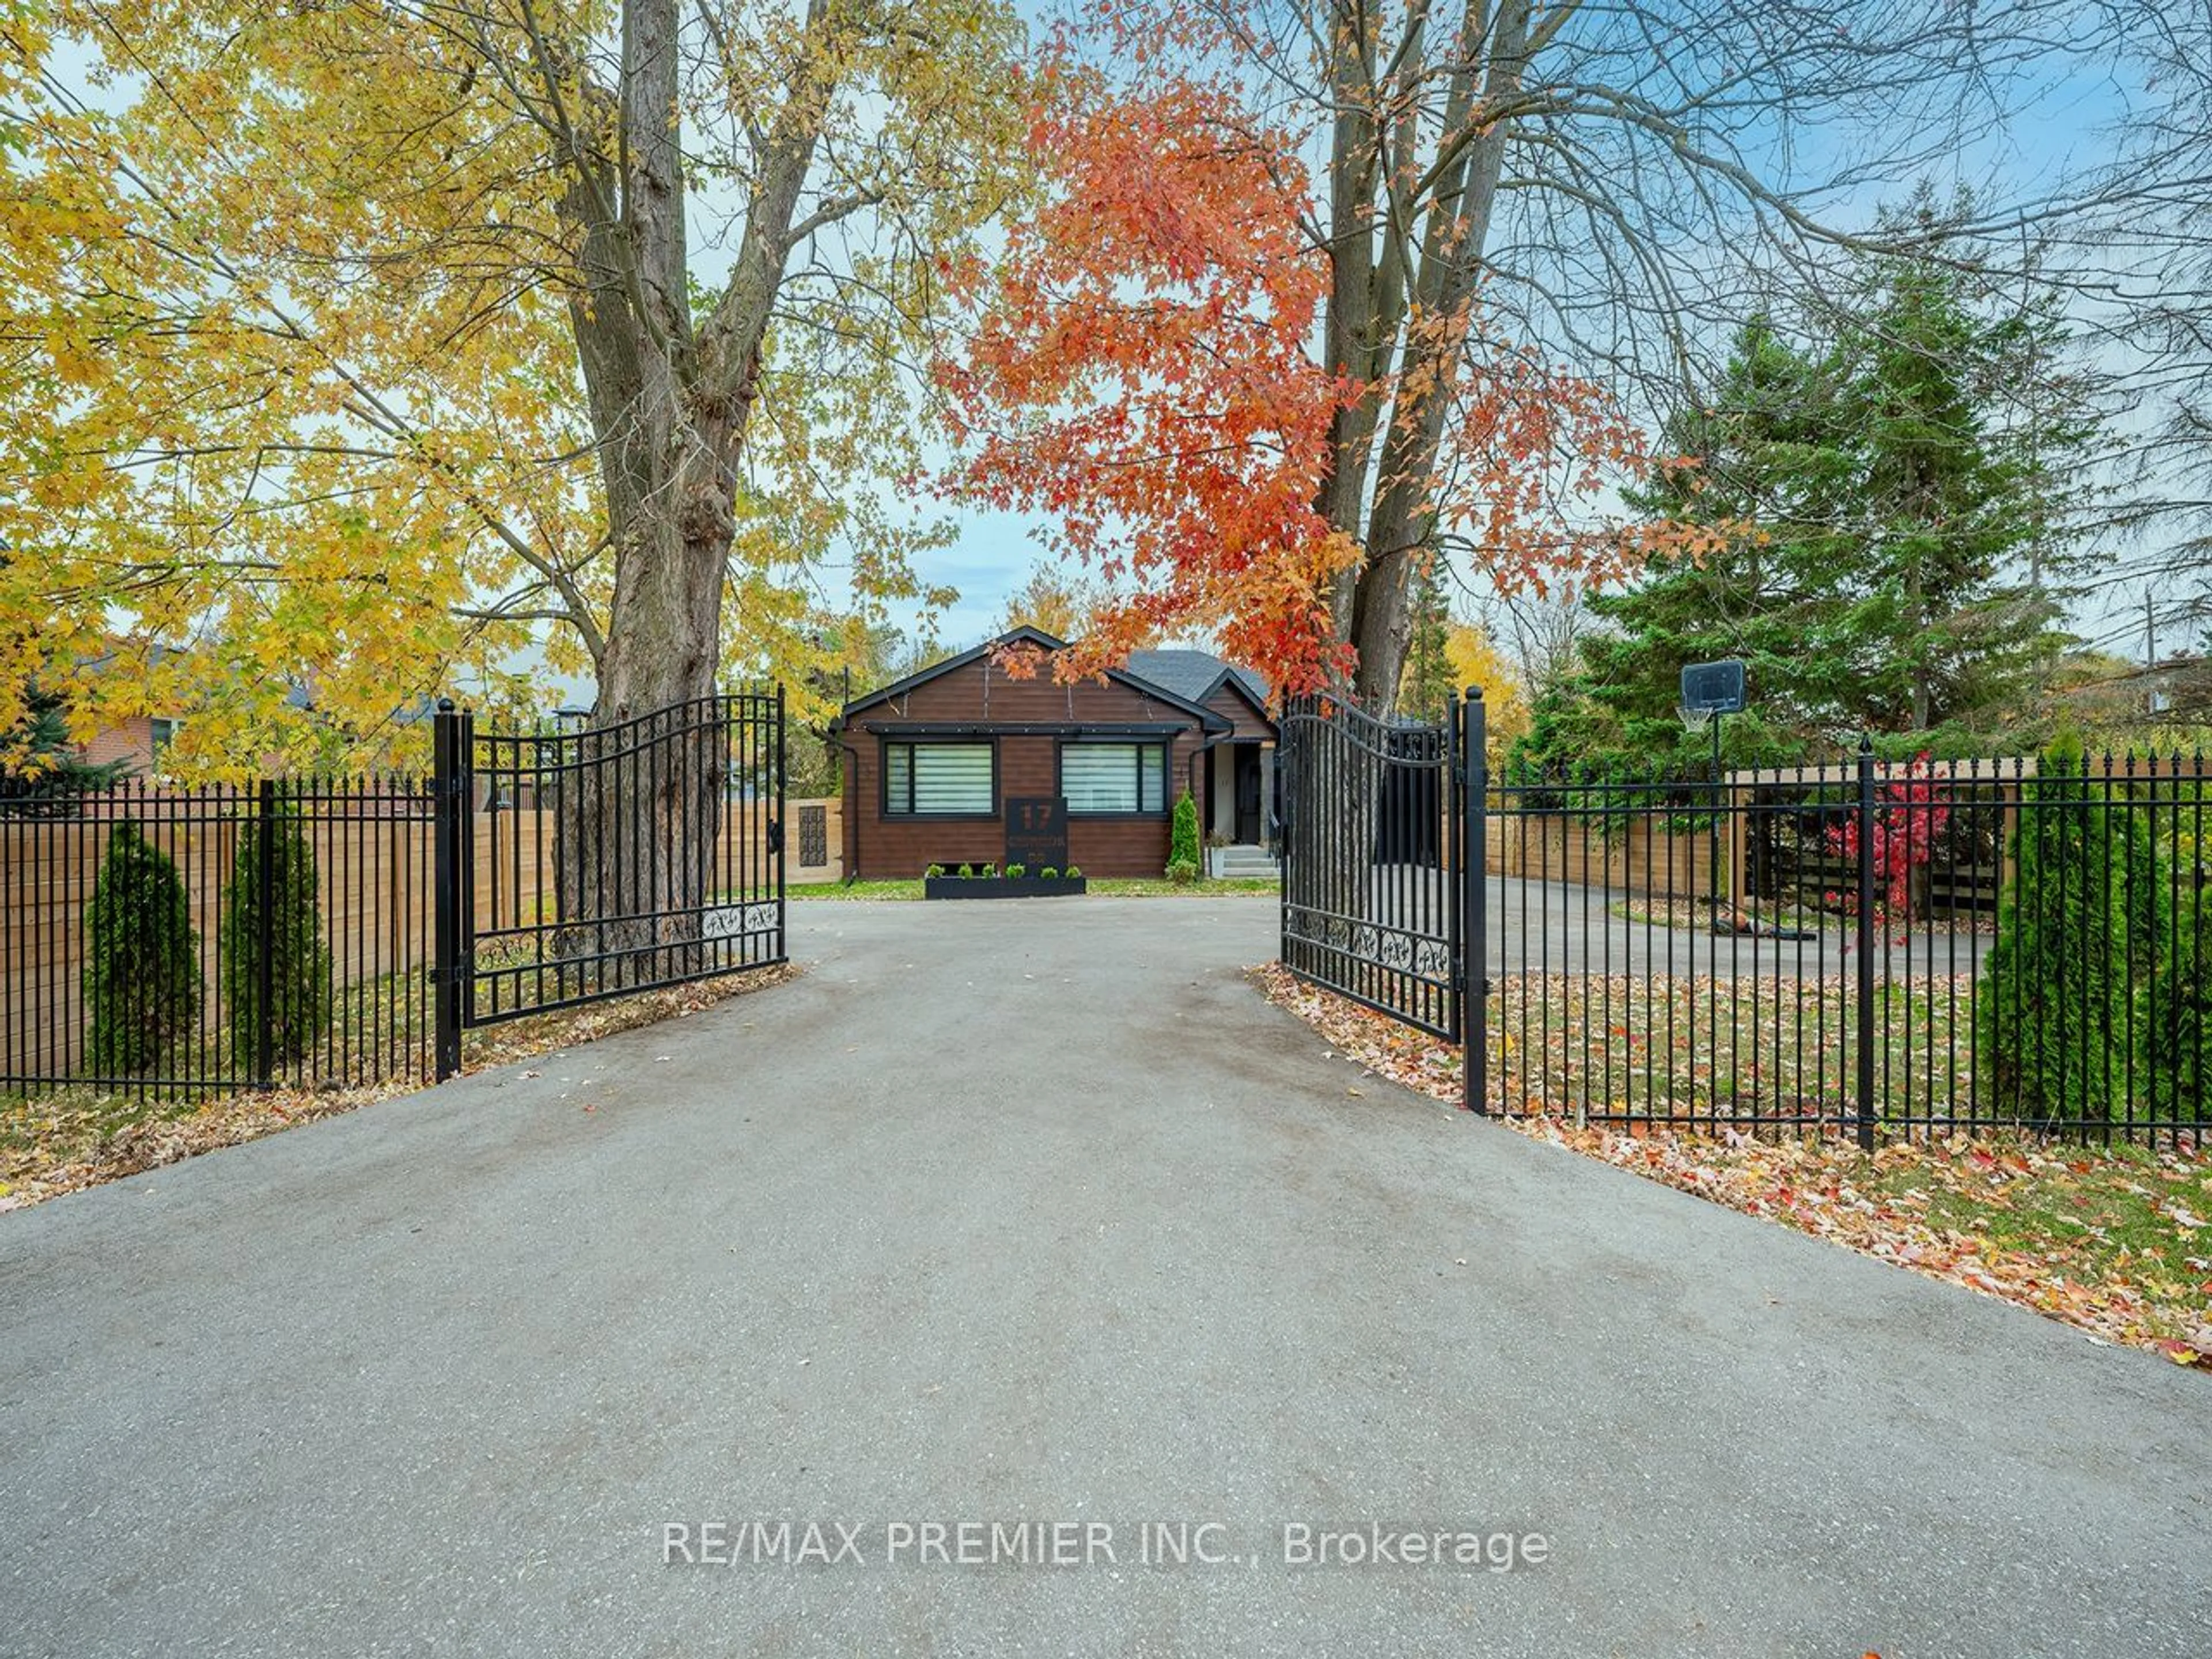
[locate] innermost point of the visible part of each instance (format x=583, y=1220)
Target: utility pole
x=2150, y=654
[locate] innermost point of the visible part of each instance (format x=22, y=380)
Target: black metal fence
x=159, y=939
x=1374, y=849
x=608, y=860
x=166, y=940
x=1879, y=947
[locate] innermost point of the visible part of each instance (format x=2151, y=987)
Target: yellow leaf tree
x=1476, y=662
x=1446, y=658
x=353, y=346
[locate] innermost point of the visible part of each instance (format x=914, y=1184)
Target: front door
x=1248, y=794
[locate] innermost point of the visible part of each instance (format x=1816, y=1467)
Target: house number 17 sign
x=1037, y=832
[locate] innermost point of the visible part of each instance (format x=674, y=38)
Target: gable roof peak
x=1025, y=634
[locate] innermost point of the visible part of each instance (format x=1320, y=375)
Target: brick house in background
x=139, y=741
x=931, y=759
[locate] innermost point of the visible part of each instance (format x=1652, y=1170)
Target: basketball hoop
x=1693, y=719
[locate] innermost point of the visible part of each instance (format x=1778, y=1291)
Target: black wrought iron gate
x=1381, y=879
x=579, y=862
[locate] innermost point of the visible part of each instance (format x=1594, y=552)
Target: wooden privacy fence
x=515, y=852
x=1566, y=847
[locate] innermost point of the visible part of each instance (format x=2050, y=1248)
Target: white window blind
x=938, y=777
x=1113, y=777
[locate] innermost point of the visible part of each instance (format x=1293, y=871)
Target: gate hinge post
x=451, y=846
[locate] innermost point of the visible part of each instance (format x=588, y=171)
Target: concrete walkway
x=1033, y=1213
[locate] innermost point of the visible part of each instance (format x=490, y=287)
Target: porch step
x=1244, y=863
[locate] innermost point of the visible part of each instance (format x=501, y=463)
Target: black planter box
x=982, y=887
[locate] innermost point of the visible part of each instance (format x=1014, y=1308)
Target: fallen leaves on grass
x=65, y=1153
x=2111, y=1240
x=1383, y=1045
x=64, y=1142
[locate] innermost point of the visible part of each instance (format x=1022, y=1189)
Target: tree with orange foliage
x=1141, y=369
x=1156, y=309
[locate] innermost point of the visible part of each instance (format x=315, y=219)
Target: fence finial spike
x=1866, y=743
x=1475, y=692
x=445, y=705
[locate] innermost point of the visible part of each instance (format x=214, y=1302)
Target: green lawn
x=1626, y=1047
x=2110, y=1211
x=1109, y=887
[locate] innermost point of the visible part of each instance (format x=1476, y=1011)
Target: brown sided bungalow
x=931, y=760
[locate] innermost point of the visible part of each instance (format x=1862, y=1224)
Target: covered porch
x=1240, y=787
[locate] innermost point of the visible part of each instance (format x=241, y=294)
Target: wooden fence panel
x=1637, y=860
x=48, y=868
x=375, y=898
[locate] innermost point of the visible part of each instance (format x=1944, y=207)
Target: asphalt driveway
x=1032, y=1213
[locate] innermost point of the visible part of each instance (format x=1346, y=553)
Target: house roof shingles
x=1193, y=674
x=1184, y=675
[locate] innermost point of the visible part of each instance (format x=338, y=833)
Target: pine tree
x=1427, y=684
x=299, y=959
x=1900, y=489
x=141, y=972
x=1768, y=457
x=1967, y=437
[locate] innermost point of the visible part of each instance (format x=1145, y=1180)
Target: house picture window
x=938, y=780
x=1113, y=779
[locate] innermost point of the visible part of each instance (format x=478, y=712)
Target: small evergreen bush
x=2062, y=1014
x=300, y=959
x=1182, y=872
x=2177, y=1016
x=934, y=871
x=1016, y=872
x=1074, y=874
x=967, y=871
x=141, y=972
x=1183, y=838
x=1049, y=873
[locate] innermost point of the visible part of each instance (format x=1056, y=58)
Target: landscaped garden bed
x=988, y=882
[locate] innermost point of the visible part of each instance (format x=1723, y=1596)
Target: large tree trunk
x=1370, y=309
x=670, y=397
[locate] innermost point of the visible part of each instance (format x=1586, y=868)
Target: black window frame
x=884, y=809
x=1118, y=740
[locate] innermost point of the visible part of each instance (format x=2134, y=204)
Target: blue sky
x=993, y=556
